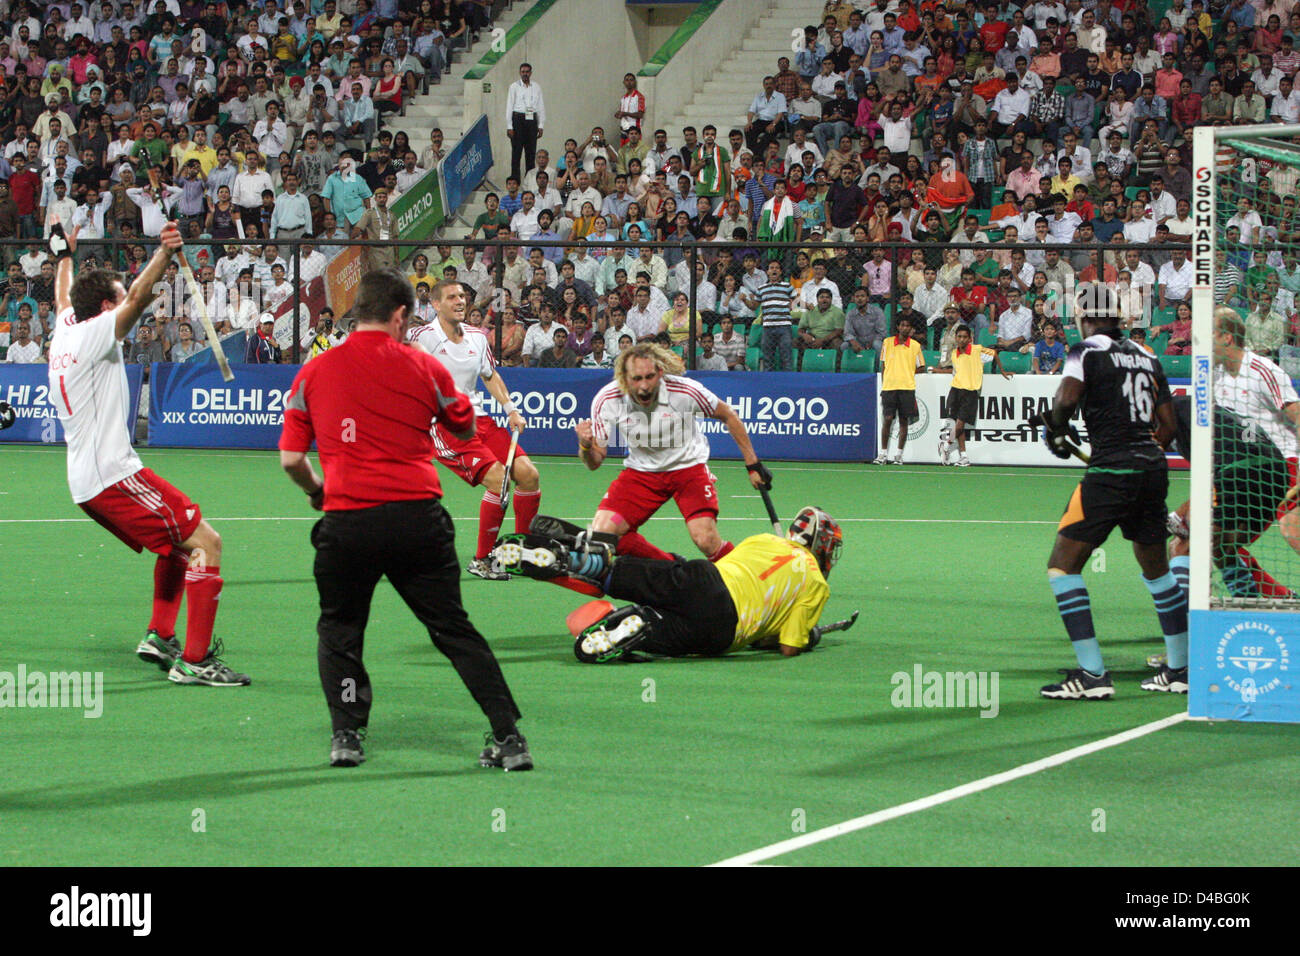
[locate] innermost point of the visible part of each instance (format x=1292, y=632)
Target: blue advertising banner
x=27, y=389
x=191, y=407
x=466, y=165
x=789, y=415
x=1240, y=666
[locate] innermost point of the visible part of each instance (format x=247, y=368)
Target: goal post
x=1244, y=621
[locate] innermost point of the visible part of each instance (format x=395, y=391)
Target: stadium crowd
x=979, y=164
x=246, y=122
x=894, y=145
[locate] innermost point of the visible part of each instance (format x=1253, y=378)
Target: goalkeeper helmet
x=819, y=533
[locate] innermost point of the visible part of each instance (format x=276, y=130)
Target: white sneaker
x=881, y=459
x=963, y=462
x=896, y=460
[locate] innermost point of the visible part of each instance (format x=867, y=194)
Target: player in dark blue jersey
x=1128, y=411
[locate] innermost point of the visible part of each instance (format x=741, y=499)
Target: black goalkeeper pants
x=699, y=616
x=412, y=543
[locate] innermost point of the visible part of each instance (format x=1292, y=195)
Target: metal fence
x=1064, y=275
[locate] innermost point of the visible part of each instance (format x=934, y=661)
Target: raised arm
x=63, y=275
x=141, y=293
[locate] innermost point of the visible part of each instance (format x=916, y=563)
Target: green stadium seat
x=988, y=338
x=1073, y=335
x=1017, y=362
x=752, y=356
x=1163, y=316
x=818, y=360
x=852, y=362
x=981, y=214
x=1159, y=343
x=755, y=333
x=1131, y=192
x=931, y=357
x=1177, y=366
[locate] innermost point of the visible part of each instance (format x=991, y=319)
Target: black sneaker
x=1168, y=680
x=162, y=651
x=209, y=672
x=346, y=749
x=509, y=754
x=1079, y=684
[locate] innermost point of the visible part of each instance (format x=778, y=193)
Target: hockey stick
x=510, y=464
x=771, y=511
x=197, y=294
x=1077, y=452
x=815, y=635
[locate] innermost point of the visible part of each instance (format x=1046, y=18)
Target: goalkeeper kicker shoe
x=1079, y=684
x=1168, y=680
x=212, y=671
x=615, y=636
x=162, y=651
x=509, y=754
x=346, y=749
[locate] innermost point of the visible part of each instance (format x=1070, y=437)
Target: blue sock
x=1180, y=568
x=1076, y=614
x=1171, y=608
x=1237, y=577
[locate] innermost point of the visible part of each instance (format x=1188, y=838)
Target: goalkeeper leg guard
x=537, y=556
x=616, y=634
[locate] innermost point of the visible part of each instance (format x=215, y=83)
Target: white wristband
x=510, y=408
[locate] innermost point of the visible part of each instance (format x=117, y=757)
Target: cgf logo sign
x=1203, y=228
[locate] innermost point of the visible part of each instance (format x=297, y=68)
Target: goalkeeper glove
x=765, y=476
x=59, y=242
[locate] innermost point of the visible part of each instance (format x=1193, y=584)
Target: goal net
x=1244, y=573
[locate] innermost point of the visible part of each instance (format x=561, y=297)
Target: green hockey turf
x=677, y=762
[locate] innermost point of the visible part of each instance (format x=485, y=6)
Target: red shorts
x=145, y=512
x=470, y=460
x=636, y=495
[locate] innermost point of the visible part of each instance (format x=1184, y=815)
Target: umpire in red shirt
x=370, y=404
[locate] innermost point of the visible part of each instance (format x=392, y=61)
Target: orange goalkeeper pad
x=579, y=619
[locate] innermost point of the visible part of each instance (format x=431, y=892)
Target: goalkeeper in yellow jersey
x=768, y=592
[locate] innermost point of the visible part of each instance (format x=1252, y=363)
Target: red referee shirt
x=370, y=404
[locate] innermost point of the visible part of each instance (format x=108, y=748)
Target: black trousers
x=699, y=616
x=412, y=544
x=524, y=141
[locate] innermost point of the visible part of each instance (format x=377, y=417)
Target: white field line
x=946, y=796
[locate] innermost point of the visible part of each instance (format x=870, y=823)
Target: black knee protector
x=611, y=622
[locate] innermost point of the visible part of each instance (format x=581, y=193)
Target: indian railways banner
x=27, y=389
x=1002, y=435
x=789, y=416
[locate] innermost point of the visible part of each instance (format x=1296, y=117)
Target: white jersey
x=88, y=386
x=1259, y=393
x=467, y=360
x=664, y=438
